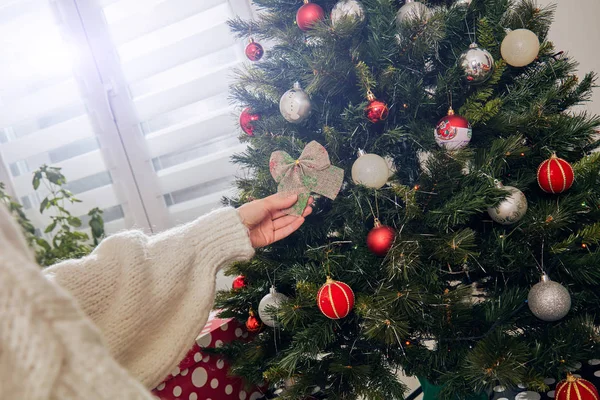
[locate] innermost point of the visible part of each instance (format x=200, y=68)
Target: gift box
x=203, y=376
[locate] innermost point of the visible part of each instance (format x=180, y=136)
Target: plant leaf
x=44, y=205
x=50, y=227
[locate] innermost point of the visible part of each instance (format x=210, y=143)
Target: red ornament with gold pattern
x=239, y=282
x=574, y=388
x=376, y=111
x=380, y=239
x=254, y=51
x=453, y=131
x=308, y=15
x=335, y=299
x=555, y=175
x=246, y=121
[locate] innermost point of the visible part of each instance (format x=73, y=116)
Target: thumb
x=281, y=201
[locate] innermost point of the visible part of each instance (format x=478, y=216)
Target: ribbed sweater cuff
x=222, y=234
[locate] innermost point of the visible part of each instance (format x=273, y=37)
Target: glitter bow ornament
x=312, y=172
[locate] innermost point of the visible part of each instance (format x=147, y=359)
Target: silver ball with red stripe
x=335, y=299
x=268, y=307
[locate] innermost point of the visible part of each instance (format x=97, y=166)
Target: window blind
x=133, y=106
x=44, y=118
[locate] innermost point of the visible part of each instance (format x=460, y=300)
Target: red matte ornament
x=376, y=111
x=380, y=239
x=247, y=119
x=253, y=324
x=555, y=175
x=239, y=282
x=574, y=388
x=254, y=51
x=308, y=15
x=335, y=299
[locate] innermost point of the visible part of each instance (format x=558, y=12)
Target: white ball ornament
x=295, y=105
x=520, y=47
x=549, y=300
x=347, y=9
x=370, y=170
x=268, y=305
x=412, y=10
x=511, y=209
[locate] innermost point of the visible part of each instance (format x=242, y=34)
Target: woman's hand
x=266, y=221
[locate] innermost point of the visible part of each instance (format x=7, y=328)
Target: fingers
x=307, y=211
x=284, y=221
x=278, y=202
x=288, y=229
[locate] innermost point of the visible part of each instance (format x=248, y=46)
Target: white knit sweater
x=114, y=324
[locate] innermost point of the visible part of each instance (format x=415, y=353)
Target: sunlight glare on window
x=34, y=48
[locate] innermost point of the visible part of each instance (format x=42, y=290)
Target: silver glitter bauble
x=349, y=9
x=477, y=64
x=511, y=209
x=411, y=11
x=268, y=306
x=549, y=300
x=295, y=105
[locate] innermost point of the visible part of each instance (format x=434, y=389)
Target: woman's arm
x=150, y=296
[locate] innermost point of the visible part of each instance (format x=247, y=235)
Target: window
x=129, y=97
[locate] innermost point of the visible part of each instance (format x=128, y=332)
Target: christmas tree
x=463, y=245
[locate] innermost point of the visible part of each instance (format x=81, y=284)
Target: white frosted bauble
x=520, y=47
x=350, y=9
x=463, y=3
x=412, y=10
x=272, y=301
x=371, y=171
x=295, y=105
x=511, y=209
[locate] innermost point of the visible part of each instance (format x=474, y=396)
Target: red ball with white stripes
x=555, y=175
x=335, y=299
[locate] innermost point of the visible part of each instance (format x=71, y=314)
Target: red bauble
x=380, y=239
x=574, y=388
x=254, y=51
x=246, y=119
x=239, y=282
x=555, y=175
x=376, y=111
x=308, y=15
x=253, y=324
x=335, y=299
x=453, y=131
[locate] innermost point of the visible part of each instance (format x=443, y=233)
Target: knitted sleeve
x=150, y=296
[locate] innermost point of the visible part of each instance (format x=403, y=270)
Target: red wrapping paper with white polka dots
x=204, y=376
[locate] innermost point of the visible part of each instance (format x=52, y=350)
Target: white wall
x=576, y=31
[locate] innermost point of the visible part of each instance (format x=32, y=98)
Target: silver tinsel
x=511, y=209
x=268, y=305
x=549, y=300
x=295, y=105
x=477, y=64
x=350, y=9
